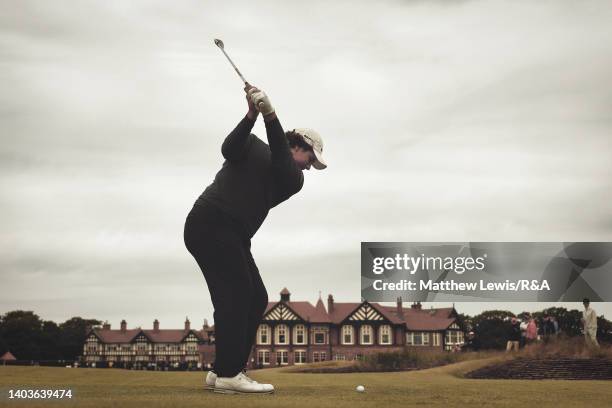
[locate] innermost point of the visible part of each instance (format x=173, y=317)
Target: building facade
x=297, y=332
x=291, y=332
x=149, y=347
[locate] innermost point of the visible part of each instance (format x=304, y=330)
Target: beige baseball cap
x=313, y=139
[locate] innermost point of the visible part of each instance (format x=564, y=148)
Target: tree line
x=28, y=337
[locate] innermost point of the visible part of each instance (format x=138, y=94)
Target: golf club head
x=221, y=46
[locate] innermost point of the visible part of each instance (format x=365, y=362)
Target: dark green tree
x=22, y=334
x=28, y=337
x=73, y=334
x=50, y=340
x=491, y=328
x=604, y=329
x=3, y=346
x=569, y=320
x=465, y=322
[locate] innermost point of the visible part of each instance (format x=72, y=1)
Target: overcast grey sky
x=442, y=121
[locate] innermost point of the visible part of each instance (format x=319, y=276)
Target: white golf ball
x=360, y=388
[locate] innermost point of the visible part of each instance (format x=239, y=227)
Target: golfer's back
x=246, y=188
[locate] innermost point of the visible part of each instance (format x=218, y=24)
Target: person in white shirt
x=589, y=322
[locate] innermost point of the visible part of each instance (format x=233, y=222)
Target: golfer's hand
x=253, y=112
x=261, y=101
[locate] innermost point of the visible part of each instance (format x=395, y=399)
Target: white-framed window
x=299, y=356
x=263, y=357
x=319, y=335
x=92, y=345
x=299, y=334
x=339, y=357
x=319, y=356
x=347, y=334
x=282, y=334
x=417, y=338
x=436, y=339
x=282, y=357
x=384, y=334
x=454, y=337
x=365, y=334
x=263, y=334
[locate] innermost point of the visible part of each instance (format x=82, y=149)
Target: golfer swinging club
x=254, y=178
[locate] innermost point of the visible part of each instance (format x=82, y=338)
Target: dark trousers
x=238, y=294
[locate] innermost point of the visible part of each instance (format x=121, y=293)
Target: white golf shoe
x=253, y=381
x=209, y=383
x=241, y=384
x=211, y=377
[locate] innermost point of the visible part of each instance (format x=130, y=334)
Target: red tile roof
x=116, y=336
x=412, y=318
x=389, y=313
x=8, y=356
x=341, y=311
x=159, y=336
x=167, y=335
x=423, y=320
x=320, y=315
x=305, y=311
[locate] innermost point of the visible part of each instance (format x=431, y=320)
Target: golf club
x=221, y=46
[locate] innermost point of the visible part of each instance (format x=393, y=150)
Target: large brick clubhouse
x=291, y=332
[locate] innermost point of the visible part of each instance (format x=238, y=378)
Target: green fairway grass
x=436, y=387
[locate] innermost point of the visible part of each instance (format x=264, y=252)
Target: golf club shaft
x=221, y=46
x=234, y=65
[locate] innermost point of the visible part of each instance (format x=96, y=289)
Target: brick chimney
x=416, y=305
x=106, y=326
x=156, y=325
x=123, y=325
x=399, y=307
x=187, y=324
x=330, y=303
x=285, y=295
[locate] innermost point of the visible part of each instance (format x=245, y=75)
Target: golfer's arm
x=283, y=164
x=234, y=145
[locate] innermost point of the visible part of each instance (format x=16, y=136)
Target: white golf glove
x=261, y=101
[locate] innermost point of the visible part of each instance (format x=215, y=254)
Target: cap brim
x=319, y=164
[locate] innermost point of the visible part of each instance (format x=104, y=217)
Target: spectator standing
x=589, y=322
x=555, y=325
x=514, y=335
x=531, y=333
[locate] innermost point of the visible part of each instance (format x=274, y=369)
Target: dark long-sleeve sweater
x=514, y=333
x=255, y=176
